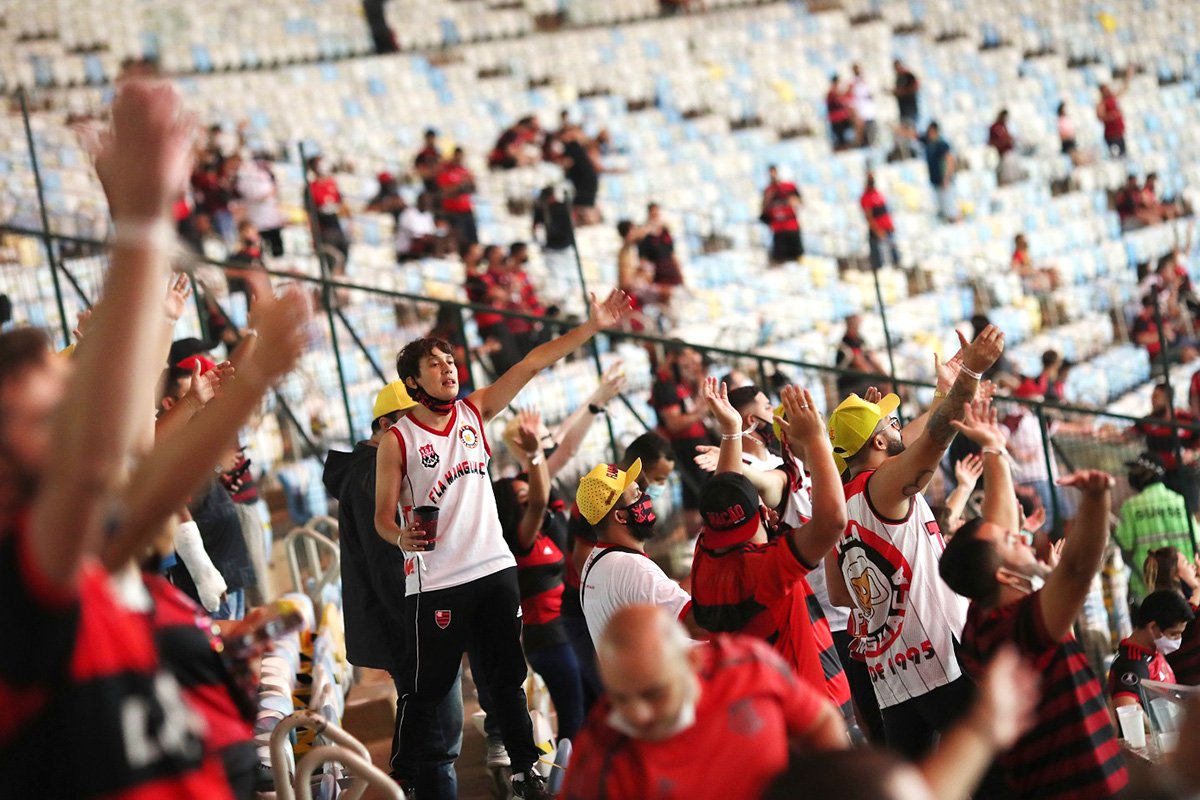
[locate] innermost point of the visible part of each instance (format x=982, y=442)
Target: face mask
x=766, y=432
x=432, y=403
x=1167, y=646
x=641, y=517
x=1036, y=582
x=685, y=720
x=656, y=490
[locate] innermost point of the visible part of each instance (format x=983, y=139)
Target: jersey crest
x=429, y=456
x=879, y=578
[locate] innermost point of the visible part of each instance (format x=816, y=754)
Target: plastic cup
x=1168, y=741
x=1132, y=727
x=425, y=519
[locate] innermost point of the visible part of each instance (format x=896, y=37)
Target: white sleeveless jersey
x=449, y=469
x=905, y=619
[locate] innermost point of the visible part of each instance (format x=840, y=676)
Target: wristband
x=535, y=458
x=995, y=451
x=976, y=375
x=728, y=437
x=143, y=234
x=398, y=538
x=595, y=409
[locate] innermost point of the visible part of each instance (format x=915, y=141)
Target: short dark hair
x=1166, y=607
x=408, y=360
x=174, y=375
x=649, y=447
x=743, y=396
x=1050, y=358
x=20, y=350
x=624, y=227
x=969, y=564
x=393, y=416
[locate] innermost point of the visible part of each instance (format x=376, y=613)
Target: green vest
x=1155, y=517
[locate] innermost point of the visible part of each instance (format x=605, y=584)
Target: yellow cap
x=67, y=351
x=852, y=423
x=601, y=488
x=393, y=397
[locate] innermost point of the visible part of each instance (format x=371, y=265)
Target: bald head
x=645, y=662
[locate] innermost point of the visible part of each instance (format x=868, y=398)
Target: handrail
x=281, y=751
x=312, y=539
x=365, y=773
x=649, y=338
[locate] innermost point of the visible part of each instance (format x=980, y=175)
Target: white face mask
x=685, y=720
x=1036, y=582
x=1167, y=646
x=656, y=490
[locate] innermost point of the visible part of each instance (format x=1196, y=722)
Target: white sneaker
x=497, y=755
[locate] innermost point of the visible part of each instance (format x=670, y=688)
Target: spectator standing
x=259, y=193
x=249, y=258
x=417, y=232
x=658, y=247
x=1051, y=379
x=522, y=297
x=940, y=159
x=672, y=705
x=1153, y=518
x=323, y=199
x=853, y=353
x=908, y=92
x=635, y=275
x=552, y=215
x=881, y=231
x=1071, y=752
x=1001, y=139
x=1031, y=468
x=840, y=110
x=886, y=564
x=463, y=595
x=780, y=211
x=456, y=185
x=1108, y=111
x=1159, y=625
x=581, y=164
x=681, y=417
x=387, y=199
x=428, y=162
x=862, y=98
x=372, y=569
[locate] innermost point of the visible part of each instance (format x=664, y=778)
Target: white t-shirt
x=905, y=619
x=863, y=100
x=258, y=194
x=449, y=469
x=413, y=224
x=625, y=578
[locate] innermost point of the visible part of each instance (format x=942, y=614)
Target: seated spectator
x=999, y=136
x=1052, y=379
x=1158, y=629
x=1150, y=202
x=552, y=215
x=455, y=185
x=657, y=247
x=249, y=257
x=1168, y=569
x=521, y=296
x=1130, y=206
x=387, y=199
x=1146, y=331
x=1037, y=280
x=839, y=109
x=670, y=704
x=853, y=354
x=417, y=232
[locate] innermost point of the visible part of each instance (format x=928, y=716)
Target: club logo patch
x=744, y=719
x=442, y=618
x=429, y=456
x=409, y=566
x=468, y=436
x=879, y=578
x=1129, y=679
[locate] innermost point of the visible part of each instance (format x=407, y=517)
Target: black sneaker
x=531, y=787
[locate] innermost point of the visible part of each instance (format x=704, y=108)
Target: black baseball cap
x=729, y=507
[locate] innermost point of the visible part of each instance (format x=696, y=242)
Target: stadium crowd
x=838, y=632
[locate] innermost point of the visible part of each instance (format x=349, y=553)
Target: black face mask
x=641, y=517
x=429, y=401
x=766, y=432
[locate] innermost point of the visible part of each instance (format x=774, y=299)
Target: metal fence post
x=47, y=241
x=1048, y=455
x=327, y=295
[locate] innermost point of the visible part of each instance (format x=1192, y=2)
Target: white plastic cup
x=1164, y=714
x=1132, y=727
x=1167, y=742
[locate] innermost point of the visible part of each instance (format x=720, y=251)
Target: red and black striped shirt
x=760, y=590
x=88, y=710
x=540, y=571
x=1071, y=753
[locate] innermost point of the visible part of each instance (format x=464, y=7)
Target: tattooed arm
x=901, y=477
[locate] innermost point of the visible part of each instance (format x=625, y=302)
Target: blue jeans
x=585, y=656
x=880, y=245
x=446, y=732
x=560, y=670
x=233, y=605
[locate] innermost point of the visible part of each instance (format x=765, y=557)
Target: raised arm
x=947, y=374
x=178, y=466
x=1005, y=707
x=490, y=400
x=967, y=472
x=979, y=425
x=806, y=432
x=572, y=431
x=1068, y=585
x=729, y=422
x=141, y=165
x=539, y=480
x=901, y=477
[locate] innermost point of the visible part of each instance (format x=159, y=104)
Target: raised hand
x=612, y=383
x=608, y=314
x=872, y=394
x=528, y=427
x=282, y=325
x=947, y=373
x=716, y=395
x=706, y=457
x=82, y=320
x=1054, y=554
x=177, y=296
x=979, y=425
x=968, y=469
x=981, y=354
x=206, y=386
x=1036, y=520
x=1089, y=481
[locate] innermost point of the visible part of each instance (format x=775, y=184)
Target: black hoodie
x=372, y=569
